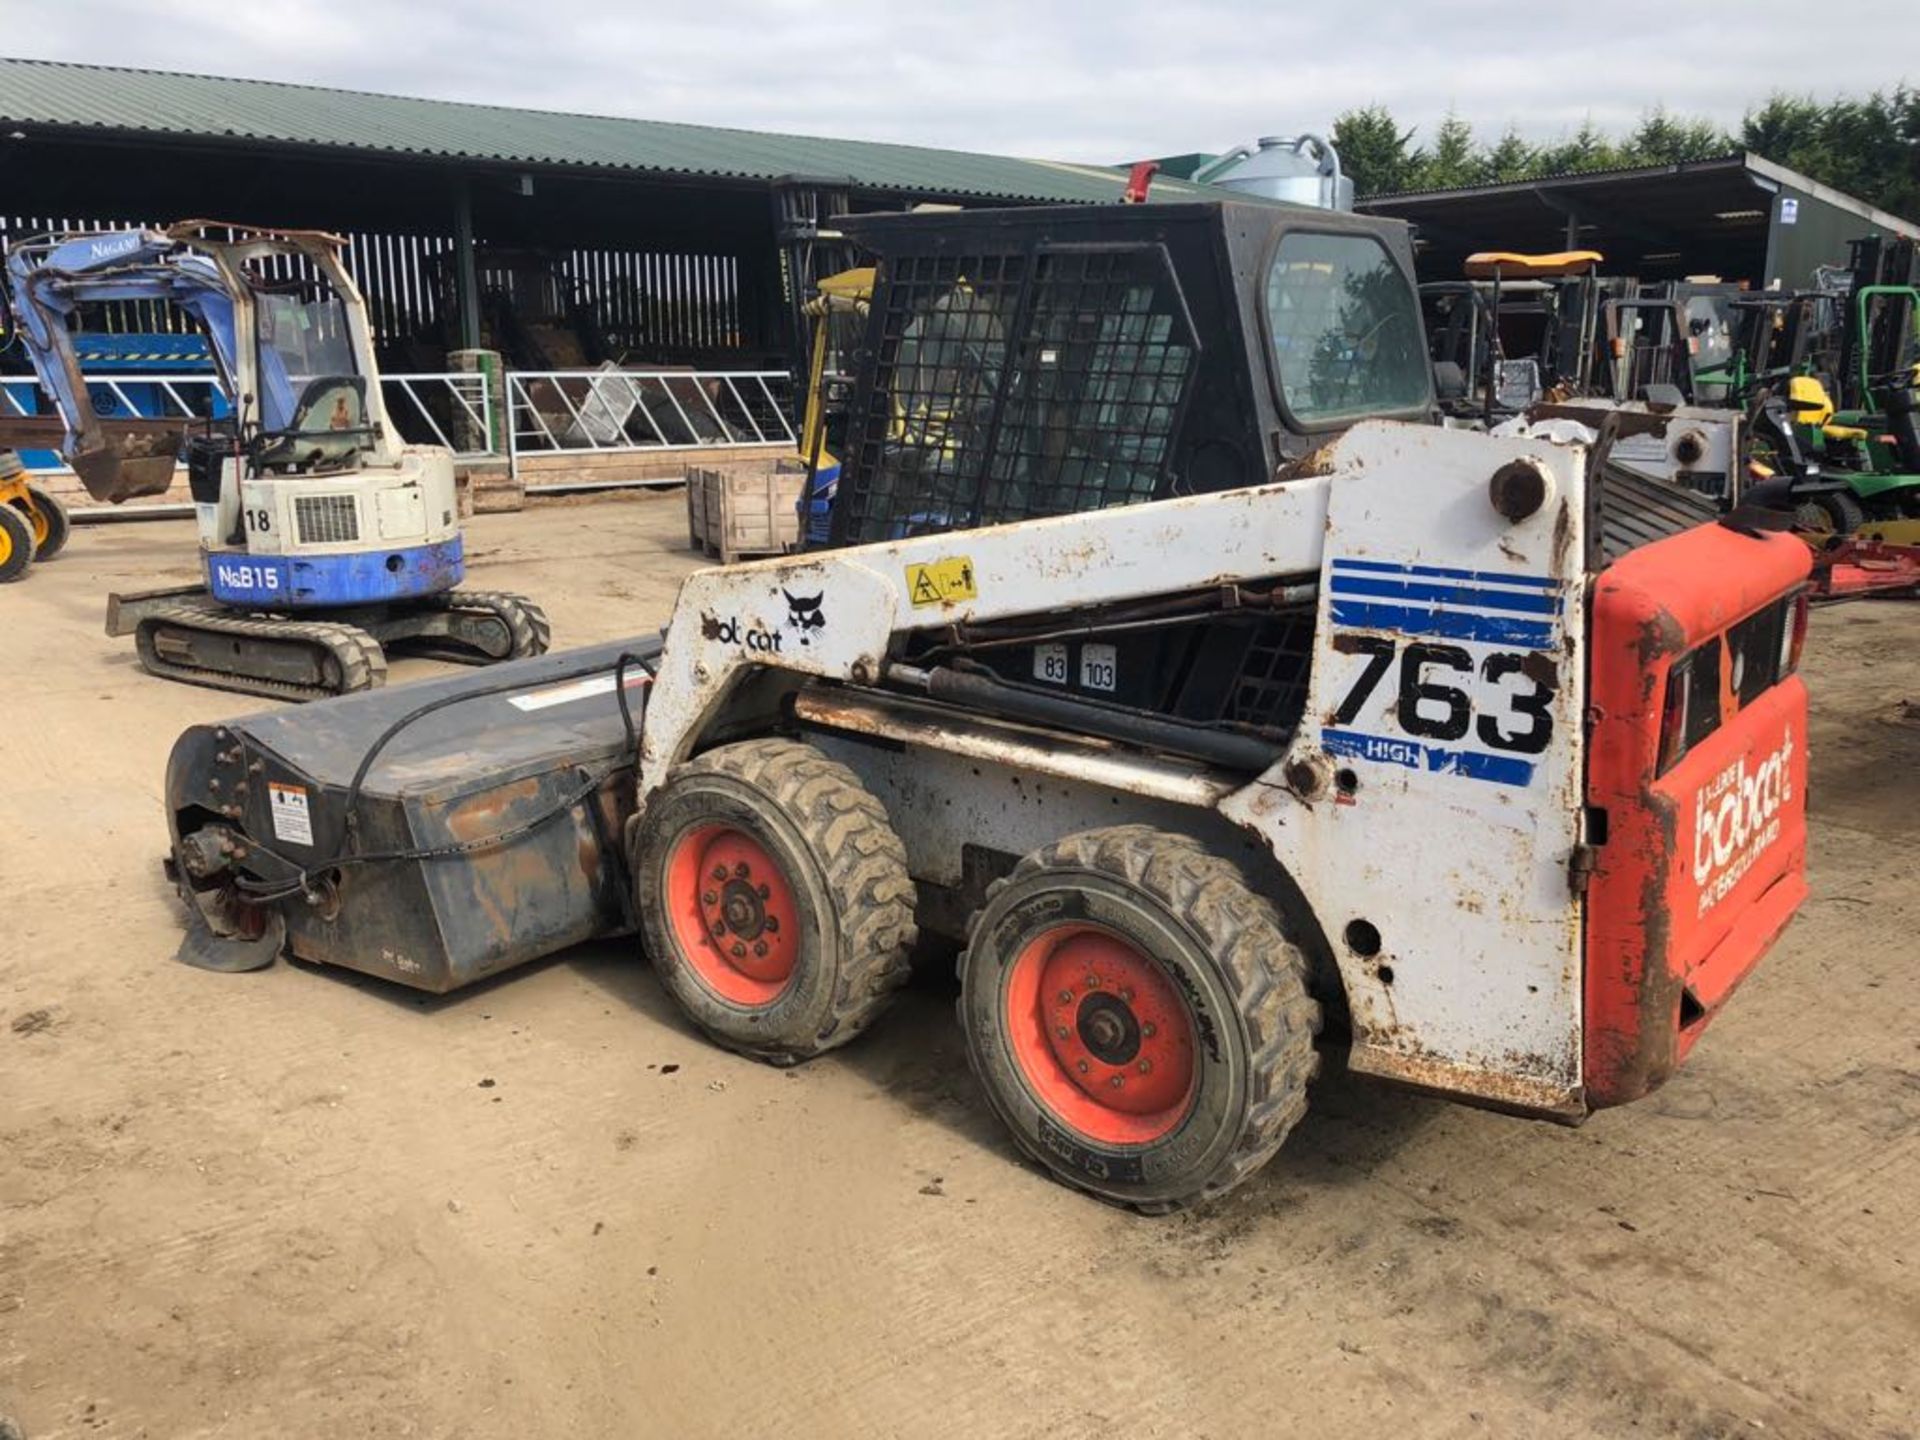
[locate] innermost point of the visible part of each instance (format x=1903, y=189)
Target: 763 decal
x=1460, y=669
x=1431, y=705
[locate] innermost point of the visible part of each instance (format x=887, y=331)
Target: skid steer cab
x=1220, y=706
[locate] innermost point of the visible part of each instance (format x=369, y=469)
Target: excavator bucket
x=136, y=458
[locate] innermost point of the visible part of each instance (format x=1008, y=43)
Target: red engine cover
x=1702, y=867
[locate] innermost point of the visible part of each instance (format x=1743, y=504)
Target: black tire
x=16, y=543
x=846, y=889
x=1218, y=946
x=1836, y=512
x=55, y=525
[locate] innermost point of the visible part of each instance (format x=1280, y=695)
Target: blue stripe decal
x=1483, y=577
x=1470, y=764
x=1526, y=604
x=1445, y=624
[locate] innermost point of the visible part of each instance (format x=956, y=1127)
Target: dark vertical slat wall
x=669, y=308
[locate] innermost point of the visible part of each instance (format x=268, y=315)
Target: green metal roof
x=165, y=106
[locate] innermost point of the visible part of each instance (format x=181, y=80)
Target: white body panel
x=1455, y=850
x=1454, y=846
x=414, y=503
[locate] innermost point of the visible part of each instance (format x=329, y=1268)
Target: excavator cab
x=306, y=499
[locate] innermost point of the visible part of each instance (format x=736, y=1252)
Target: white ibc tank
x=1300, y=168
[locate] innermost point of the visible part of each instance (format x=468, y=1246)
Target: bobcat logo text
x=1736, y=816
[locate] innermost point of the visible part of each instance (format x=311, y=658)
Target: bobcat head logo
x=803, y=613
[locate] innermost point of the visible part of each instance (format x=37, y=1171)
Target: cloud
x=1076, y=80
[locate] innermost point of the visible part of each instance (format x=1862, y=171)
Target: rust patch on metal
x=481, y=815
x=1563, y=540
x=1518, y=1082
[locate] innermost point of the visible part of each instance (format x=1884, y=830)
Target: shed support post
x=466, y=275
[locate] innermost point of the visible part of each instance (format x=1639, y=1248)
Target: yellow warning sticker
x=941, y=582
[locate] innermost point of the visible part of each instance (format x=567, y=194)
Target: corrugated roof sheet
x=163, y=104
x=1735, y=161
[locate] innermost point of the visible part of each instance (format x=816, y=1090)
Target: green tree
x=1512, y=159
x=1452, y=160
x=1867, y=146
x=1374, y=151
x=1664, y=139
x=1586, y=149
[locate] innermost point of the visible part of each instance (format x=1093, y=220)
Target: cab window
x=1345, y=329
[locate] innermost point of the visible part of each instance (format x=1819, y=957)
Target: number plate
x=1099, y=667
x=1050, y=664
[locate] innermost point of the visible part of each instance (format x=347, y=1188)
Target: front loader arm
x=835, y=614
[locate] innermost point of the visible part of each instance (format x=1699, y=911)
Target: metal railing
x=453, y=409
x=157, y=396
x=549, y=412
x=610, y=410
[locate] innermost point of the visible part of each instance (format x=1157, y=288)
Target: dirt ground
x=301, y=1204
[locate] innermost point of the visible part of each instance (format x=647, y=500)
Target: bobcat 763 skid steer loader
x=1170, y=658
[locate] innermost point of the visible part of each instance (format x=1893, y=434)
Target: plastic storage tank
x=1303, y=169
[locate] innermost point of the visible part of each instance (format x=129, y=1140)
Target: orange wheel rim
x=1100, y=1035
x=731, y=911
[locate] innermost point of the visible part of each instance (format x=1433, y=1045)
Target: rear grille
x=1270, y=691
x=326, y=519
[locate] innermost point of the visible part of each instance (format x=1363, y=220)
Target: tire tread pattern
x=358, y=661
x=1244, y=933
x=20, y=546
x=59, y=522
x=846, y=829
x=527, y=624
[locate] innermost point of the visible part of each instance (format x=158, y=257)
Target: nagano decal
x=1736, y=819
x=1423, y=699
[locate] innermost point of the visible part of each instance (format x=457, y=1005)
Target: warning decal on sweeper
x=292, y=821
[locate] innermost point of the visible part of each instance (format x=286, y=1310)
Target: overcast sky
x=1077, y=81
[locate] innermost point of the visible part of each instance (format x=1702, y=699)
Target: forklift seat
x=1508, y=265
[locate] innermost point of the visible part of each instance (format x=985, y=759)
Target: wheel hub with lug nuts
x=742, y=934
x=1115, y=1024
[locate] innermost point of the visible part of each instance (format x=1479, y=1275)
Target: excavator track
x=279, y=659
x=522, y=629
